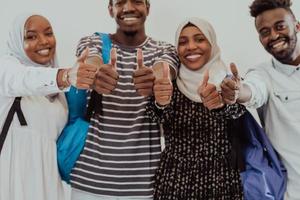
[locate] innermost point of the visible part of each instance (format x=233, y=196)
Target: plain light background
x=73, y=19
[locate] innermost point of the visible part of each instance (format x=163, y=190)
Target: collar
x=285, y=68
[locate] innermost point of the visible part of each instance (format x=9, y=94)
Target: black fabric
x=238, y=143
x=94, y=105
x=15, y=108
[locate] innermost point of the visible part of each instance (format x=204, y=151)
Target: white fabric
x=188, y=81
x=276, y=87
x=80, y=195
x=28, y=165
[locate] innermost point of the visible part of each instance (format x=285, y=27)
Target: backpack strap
x=15, y=108
x=94, y=105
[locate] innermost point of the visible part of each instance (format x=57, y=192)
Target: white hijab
x=15, y=46
x=15, y=43
x=188, y=81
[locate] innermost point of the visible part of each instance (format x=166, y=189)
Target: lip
x=192, y=57
x=44, y=51
x=277, y=43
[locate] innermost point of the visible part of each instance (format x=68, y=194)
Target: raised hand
x=231, y=86
x=143, y=77
x=107, y=77
x=82, y=75
x=163, y=87
x=211, y=98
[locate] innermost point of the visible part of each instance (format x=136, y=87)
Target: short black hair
x=111, y=2
x=260, y=6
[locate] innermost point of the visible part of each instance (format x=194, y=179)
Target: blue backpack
x=72, y=139
x=263, y=174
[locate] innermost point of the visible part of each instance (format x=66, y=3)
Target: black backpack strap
x=94, y=105
x=15, y=108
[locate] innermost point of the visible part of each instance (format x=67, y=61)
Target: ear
x=148, y=8
x=110, y=10
x=297, y=27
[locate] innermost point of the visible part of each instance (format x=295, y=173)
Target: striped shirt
x=122, y=150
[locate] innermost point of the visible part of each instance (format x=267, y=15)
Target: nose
x=43, y=40
x=274, y=34
x=191, y=45
x=128, y=6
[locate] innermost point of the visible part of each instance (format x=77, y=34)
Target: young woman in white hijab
x=195, y=163
x=28, y=165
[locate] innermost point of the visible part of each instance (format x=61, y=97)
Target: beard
x=285, y=55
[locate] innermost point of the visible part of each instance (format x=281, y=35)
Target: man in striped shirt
x=122, y=149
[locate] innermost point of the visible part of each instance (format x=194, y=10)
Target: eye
x=200, y=39
x=280, y=26
x=30, y=37
x=49, y=34
x=119, y=2
x=182, y=42
x=264, y=32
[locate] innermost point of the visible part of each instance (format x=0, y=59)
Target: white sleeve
x=256, y=80
x=19, y=80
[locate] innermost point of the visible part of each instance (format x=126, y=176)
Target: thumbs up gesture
x=231, y=86
x=82, y=75
x=163, y=87
x=143, y=77
x=210, y=97
x=107, y=77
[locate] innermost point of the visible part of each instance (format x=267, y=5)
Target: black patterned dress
x=195, y=162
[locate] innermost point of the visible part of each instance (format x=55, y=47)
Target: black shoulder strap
x=94, y=105
x=15, y=108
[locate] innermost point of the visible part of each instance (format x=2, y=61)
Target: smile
x=44, y=52
x=193, y=57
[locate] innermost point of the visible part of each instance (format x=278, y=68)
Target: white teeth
x=192, y=57
x=130, y=18
x=279, y=45
x=44, y=52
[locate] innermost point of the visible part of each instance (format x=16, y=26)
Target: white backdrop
x=73, y=19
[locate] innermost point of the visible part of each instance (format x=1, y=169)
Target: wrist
x=63, y=79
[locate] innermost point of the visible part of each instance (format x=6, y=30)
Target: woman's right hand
x=82, y=76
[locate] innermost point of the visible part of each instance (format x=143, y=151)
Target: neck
x=295, y=60
x=129, y=38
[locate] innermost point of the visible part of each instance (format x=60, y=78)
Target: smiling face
x=277, y=30
x=39, y=40
x=130, y=15
x=194, y=50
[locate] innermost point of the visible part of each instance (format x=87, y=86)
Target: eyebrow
x=34, y=31
x=278, y=22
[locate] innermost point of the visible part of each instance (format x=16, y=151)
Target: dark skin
x=130, y=17
x=277, y=29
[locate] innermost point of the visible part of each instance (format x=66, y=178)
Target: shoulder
x=160, y=44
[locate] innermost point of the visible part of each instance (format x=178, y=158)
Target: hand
x=209, y=94
x=231, y=86
x=107, y=77
x=82, y=76
x=163, y=87
x=143, y=77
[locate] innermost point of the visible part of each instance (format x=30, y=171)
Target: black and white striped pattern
x=122, y=150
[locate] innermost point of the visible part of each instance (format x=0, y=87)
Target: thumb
x=84, y=55
x=113, y=57
x=205, y=78
x=140, y=59
x=166, y=70
x=234, y=70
